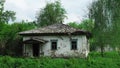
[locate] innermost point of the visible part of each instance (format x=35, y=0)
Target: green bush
x=110, y=60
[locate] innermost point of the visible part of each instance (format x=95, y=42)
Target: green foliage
x=10, y=41
x=5, y=16
x=87, y=25
x=110, y=60
x=105, y=14
x=52, y=13
x=75, y=25
x=98, y=14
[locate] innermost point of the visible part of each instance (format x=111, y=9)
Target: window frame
x=75, y=45
x=54, y=47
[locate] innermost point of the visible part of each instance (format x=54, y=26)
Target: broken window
x=74, y=44
x=53, y=44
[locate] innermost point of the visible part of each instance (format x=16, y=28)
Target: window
x=74, y=44
x=53, y=44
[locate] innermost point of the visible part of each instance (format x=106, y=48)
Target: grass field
x=110, y=60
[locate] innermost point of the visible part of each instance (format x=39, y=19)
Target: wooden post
x=24, y=50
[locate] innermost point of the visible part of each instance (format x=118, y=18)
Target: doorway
x=36, y=49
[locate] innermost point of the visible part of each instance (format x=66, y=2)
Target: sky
x=27, y=9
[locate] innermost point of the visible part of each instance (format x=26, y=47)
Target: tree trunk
x=102, y=50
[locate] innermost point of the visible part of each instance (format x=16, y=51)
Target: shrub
x=110, y=60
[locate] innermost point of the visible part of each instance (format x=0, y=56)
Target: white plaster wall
x=64, y=46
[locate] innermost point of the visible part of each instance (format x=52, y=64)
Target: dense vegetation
x=86, y=24
x=10, y=41
x=110, y=60
x=106, y=17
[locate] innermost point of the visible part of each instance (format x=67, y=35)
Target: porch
x=33, y=47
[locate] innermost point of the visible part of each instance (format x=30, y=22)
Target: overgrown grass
x=110, y=60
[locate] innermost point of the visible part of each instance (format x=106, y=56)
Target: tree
x=5, y=16
x=86, y=24
x=105, y=14
x=98, y=14
x=14, y=44
x=52, y=13
x=10, y=41
x=74, y=24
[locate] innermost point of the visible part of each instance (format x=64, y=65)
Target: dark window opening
x=74, y=44
x=53, y=44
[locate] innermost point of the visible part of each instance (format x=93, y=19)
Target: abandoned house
x=57, y=40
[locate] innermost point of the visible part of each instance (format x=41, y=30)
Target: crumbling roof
x=58, y=28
